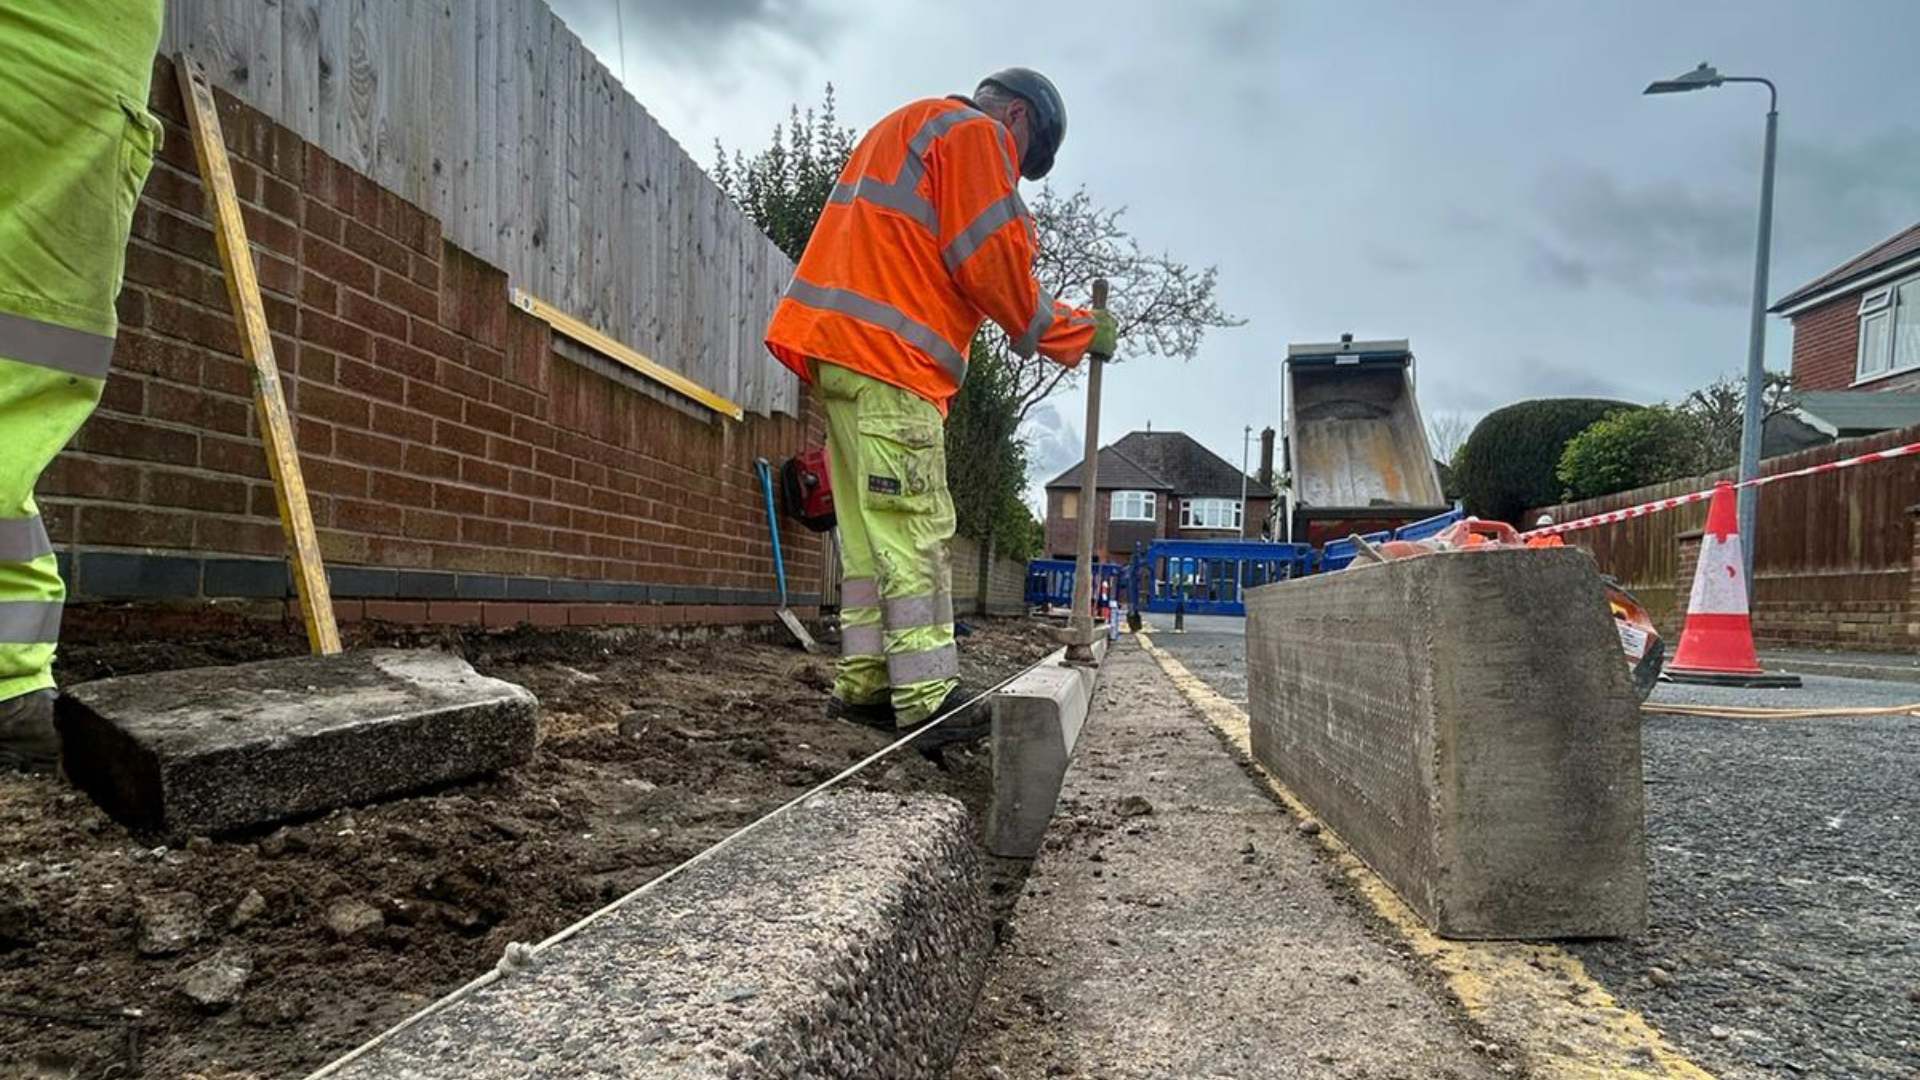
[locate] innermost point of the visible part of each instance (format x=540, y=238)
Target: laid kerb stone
x=845, y=939
x=212, y=750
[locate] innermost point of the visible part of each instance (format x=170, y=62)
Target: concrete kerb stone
x=847, y=938
x=1465, y=722
x=212, y=750
x=1036, y=720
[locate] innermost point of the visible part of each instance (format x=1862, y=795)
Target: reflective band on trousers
x=29, y=622
x=914, y=612
x=861, y=641
x=860, y=592
x=1042, y=322
x=904, y=669
x=23, y=540
x=982, y=228
x=871, y=311
x=61, y=348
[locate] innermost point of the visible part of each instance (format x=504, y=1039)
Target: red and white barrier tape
x=1701, y=496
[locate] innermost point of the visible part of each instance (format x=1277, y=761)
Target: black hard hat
x=1049, y=116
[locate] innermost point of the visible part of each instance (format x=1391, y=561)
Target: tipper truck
x=1355, y=447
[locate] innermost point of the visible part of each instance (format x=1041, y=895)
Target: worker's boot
x=878, y=715
x=968, y=719
x=28, y=742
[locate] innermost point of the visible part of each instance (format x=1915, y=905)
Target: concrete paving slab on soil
x=211, y=750
x=1176, y=924
x=846, y=938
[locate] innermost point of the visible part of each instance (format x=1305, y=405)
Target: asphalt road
x=1785, y=876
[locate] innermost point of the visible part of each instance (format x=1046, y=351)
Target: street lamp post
x=1702, y=78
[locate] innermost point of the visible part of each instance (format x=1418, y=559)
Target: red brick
x=237, y=457
x=405, y=293
x=460, y=439
x=280, y=198
x=272, y=233
x=455, y=376
x=349, y=611
x=424, y=460
x=338, y=335
x=338, y=478
x=485, y=532
x=435, y=401
x=278, y=276
x=197, y=491
x=198, y=408
x=175, y=189
x=371, y=380
x=465, y=501
x=397, y=611
x=453, y=612
x=489, y=418
x=508, y=452
x=124, y=393
x=92, y=478
x=186, y=237
x=485, y=358
x=547, y=615
x=400, y=358
x=402, y=423
x=429, y=525
x=586, y=615
x=321, y=220
x=495, y=615
x=518, y=401
x=366, y=517
x=372, y=315
x=118, y=437
x=201, y=326
x=315, y=365
x=338, y=264
x=319, y=293
x=434, y=339
x=120, y=526
x=366, y=448
x=238, y=537
x=399, y=489
x=425, y=270
x=485, y=474
x=171, y=360
x=335, y=406
x=369, y=244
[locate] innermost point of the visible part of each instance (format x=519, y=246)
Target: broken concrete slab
x=1036, y=720
x=846, y=938
x=1465, y=722
x=213, y=750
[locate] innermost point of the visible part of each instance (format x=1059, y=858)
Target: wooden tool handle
x=1099, y=294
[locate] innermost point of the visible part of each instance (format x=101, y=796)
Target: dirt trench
x=650, y=750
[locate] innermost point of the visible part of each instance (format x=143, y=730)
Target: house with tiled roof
x=1857, y=326
x=1155, y=485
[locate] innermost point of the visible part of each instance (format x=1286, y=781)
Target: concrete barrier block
x=1036, y=720
x=845, y=939
x=1466, y=723
x=211, y=750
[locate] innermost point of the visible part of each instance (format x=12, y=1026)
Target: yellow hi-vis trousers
x=887, y=456
x=76, y=142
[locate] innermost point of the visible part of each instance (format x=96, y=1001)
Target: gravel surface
x=1786, y=887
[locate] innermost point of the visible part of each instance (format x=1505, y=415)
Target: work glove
x=1106, y=335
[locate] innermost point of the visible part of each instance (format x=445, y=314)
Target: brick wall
x=1826, y=347
x=461, y=471
x=1005, y=579
x=1818, y=618
x=1112, y=540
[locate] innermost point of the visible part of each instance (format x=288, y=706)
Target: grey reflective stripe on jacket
x=23, y=540
x=48, y=345
x=884, y=316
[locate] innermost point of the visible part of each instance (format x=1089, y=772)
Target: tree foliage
x=1718, y=411
x=1163, y=306
x=1629, y=449
x=1508, y=464
x=783, y=187
x=987, y=461
x=1445, y=432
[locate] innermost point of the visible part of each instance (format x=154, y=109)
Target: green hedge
x=1508, y=464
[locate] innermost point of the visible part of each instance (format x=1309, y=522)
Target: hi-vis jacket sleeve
x=988, y=243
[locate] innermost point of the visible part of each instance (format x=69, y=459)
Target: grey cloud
x=696, y=30
x=1650, y=240
x=1532, y=376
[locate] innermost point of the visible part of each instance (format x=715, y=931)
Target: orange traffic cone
x=1716, y=648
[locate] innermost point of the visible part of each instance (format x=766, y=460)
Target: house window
x=1210, y=514
x=1889, y=330
x=1133, y=506
x=1070, y=506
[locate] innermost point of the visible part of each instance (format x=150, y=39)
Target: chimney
x=1266, y=458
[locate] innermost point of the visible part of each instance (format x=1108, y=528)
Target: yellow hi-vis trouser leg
x=76, y=142
x=887, y=455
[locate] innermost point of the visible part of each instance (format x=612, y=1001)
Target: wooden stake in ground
x=250, y=316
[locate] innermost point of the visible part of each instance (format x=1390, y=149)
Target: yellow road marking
x=1537, y=1000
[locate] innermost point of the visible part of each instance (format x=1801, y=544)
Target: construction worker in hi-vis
x=76, y=142
x=923, y=237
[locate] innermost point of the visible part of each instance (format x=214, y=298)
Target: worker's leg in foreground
x=860, y=690
x=890, y=481
x=75, y=146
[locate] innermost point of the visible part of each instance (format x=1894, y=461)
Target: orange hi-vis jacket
x=923, y=237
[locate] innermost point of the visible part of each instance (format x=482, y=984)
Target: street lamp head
x=1698, y=79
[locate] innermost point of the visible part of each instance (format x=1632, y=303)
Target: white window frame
x=1886, y=303
x=1216, y=515
x=1132, y=506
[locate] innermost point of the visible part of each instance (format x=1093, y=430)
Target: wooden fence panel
x=493, y=117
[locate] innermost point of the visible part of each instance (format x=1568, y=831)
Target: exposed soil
x=650, y=751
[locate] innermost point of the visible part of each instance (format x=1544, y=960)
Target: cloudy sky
x=1481, y=177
